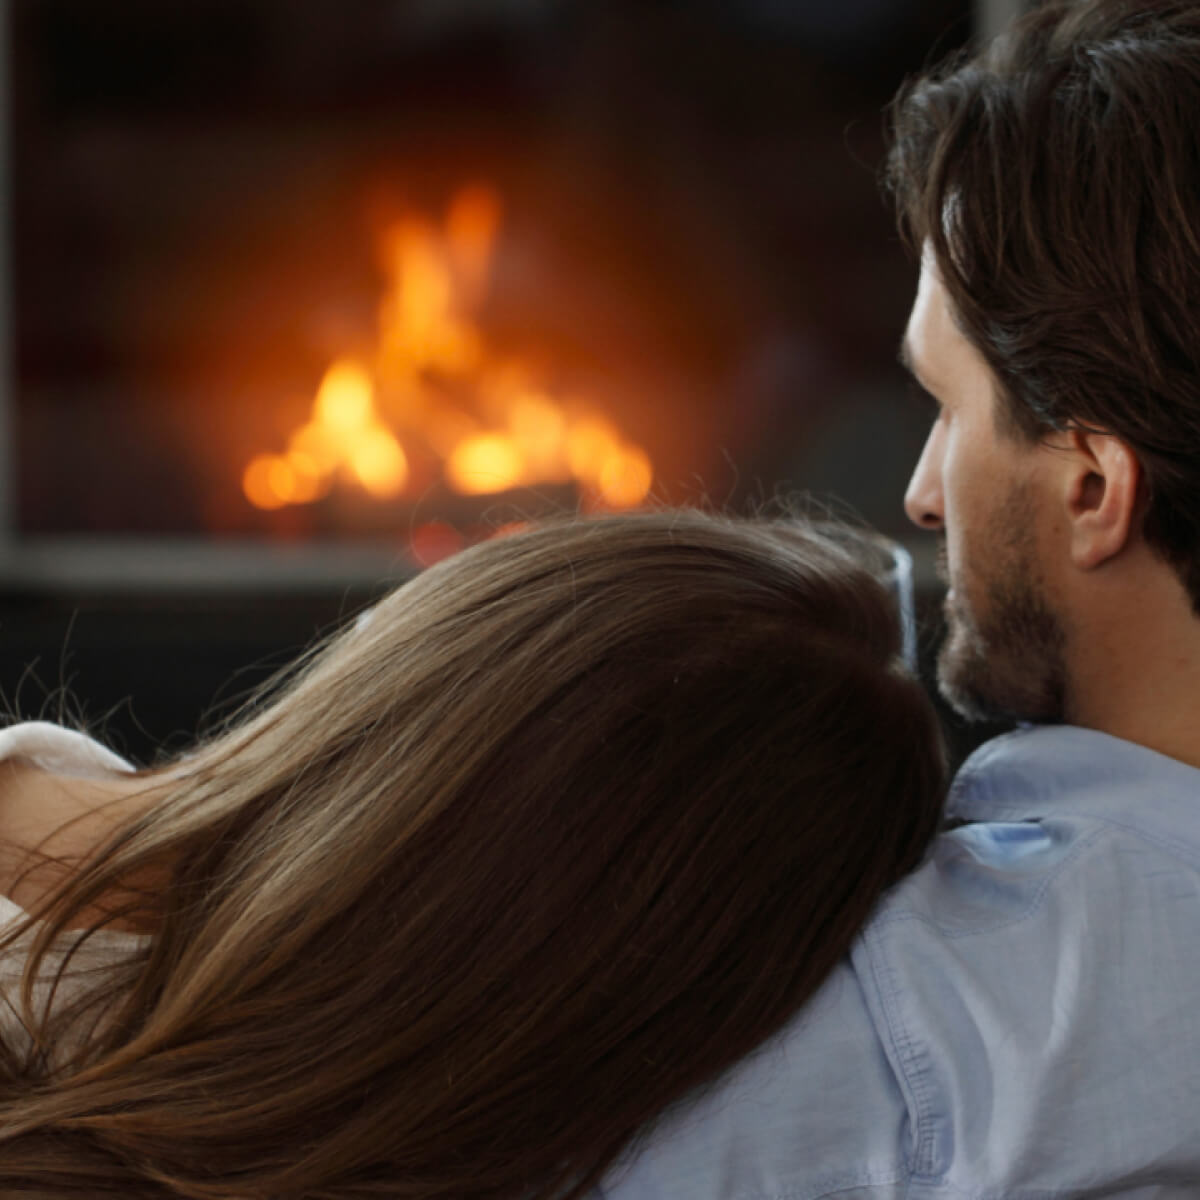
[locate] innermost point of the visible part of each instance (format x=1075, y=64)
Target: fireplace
x=302, y=297
x=303, y=291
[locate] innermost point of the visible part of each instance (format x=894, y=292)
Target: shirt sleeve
x=815, y=1112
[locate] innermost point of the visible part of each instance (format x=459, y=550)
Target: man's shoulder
x=1034, y=980
x=815, y=1111
x=1039, y=773
x=1021, y=1015
x=1047, y=817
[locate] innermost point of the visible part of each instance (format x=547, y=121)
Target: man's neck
x=1135, y=674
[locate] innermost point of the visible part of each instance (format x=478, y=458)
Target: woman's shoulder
x=56, y=788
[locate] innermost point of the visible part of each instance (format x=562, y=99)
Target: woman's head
x=577, y=819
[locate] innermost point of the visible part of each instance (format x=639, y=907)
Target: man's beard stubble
x=1006, y=662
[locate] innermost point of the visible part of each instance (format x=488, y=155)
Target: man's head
x=1051, y=185
x=979, y=484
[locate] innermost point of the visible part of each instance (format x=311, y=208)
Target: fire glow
x=431, y=391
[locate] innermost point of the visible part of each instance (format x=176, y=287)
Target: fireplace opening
x=428, y=410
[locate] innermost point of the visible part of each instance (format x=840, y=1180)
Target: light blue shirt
x=1019, y=1019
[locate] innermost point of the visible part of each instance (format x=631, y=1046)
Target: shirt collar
x=59, y=750
x=1049, y=770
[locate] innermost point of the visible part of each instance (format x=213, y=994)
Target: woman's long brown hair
x=577, y=820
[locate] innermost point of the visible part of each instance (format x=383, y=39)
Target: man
x=1021, y=1016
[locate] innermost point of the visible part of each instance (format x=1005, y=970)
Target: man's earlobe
x=1102, y=497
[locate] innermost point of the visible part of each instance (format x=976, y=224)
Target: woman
x=575, y=821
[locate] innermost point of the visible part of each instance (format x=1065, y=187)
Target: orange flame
x=472, y=223
x=519, y=435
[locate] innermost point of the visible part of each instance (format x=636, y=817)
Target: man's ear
x=1102, y=496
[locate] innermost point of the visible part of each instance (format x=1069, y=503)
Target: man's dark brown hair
x=1056, y=178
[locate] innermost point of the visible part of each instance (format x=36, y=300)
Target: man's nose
x=923, y=501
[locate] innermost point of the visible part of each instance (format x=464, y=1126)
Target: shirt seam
x=913, y=1071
